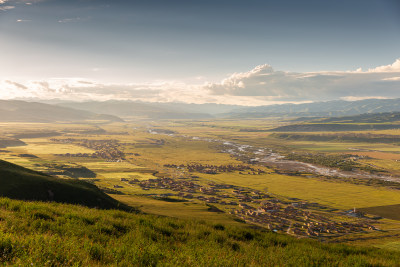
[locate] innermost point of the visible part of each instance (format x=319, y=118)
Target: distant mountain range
x=319, y=109
x=22, y=111
x=200, y=111
x=55, y=110
x=152, y=110
x=385, y=117
x=366, y=121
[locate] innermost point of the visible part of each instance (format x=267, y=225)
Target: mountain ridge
x=23, y=111
x=161, y=110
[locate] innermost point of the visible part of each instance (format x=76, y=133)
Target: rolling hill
x=44, y=234
x=367, y=121
x=334, y=127
x=20, y=183
x=142, y=109
x=204, y=111
x=384, y=117
x=22, y=111
x=319, y=109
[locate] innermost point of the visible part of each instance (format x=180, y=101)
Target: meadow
x=49, y=234
x=146, y=155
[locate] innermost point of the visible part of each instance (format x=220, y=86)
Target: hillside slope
x=21, y=183
x=140, y=109
x=22, y=111
x=44, y=234
x=334, y=127
x=317, y=109
x=366, y=121
x=365, y=118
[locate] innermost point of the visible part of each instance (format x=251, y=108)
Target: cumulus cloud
x=274, y=85
x=82, y=89
x=5, y=8
x=17, y=85
x=260, y=86
x=76, y=89
x=395, y=67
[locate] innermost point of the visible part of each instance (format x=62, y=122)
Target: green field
x=43, y=234
x=336, y=195
x=389, y=211
x=183, y=210
x=146, y=154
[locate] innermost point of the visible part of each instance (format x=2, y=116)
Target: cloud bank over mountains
x=263, y=80
x=261, y=85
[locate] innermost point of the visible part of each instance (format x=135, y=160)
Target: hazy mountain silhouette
x=22, y=111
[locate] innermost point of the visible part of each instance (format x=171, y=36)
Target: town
x=105, y=149
x=298, y=218
x=214, y=169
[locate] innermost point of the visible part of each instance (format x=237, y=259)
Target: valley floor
x=214, y=171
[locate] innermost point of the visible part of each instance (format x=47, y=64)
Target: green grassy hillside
x=53, y=234
x=20, y=183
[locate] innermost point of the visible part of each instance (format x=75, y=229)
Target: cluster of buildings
x=166, y=183
x=105, y=149
x=214, y=169
x=295, y=219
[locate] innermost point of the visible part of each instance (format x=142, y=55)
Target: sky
x=252, y=52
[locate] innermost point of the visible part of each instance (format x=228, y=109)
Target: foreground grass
x=51, y=234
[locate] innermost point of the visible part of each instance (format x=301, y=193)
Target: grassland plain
x=332, y=194
x=184, y=151
x=385, y=159
x=261, y=139
x=42, y=147
x=146, y=154
x=49, y=234
x=389, y=211
x=183, y=210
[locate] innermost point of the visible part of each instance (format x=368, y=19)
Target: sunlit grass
x=42, y=234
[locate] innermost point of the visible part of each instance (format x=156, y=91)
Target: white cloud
x=5, y=8
x=395, y=67
x=264, y=81
x=259, y=86
x=78, y=89
x=17, y=85
x=355, y=98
